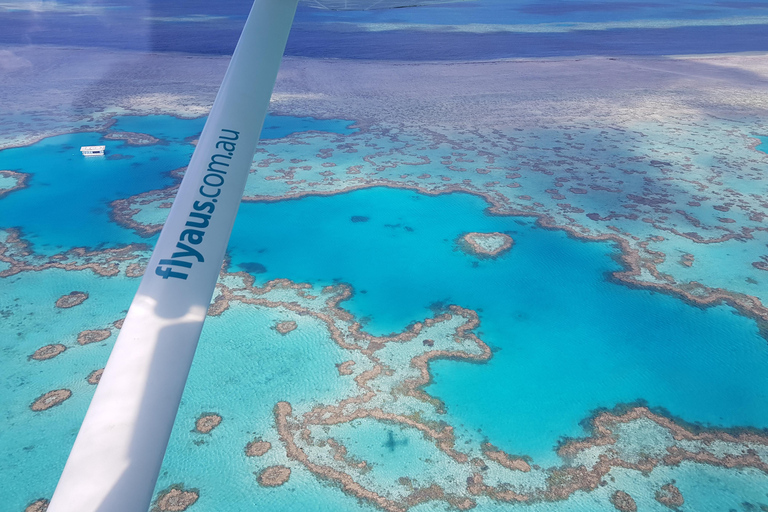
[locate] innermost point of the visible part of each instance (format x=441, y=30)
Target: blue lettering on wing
x=211, y=187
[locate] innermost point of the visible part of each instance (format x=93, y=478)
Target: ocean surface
x=474, y=29
x=67, y=189
x=565, y=339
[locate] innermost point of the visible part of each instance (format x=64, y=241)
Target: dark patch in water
x=409, y=229
x=391, y=443
x=253, y=267
x=359, y=218
x=439, y=306
x=118, y=156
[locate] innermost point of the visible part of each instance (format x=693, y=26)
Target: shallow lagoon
x=67, y=202
x=566, y=340
x=763, y=146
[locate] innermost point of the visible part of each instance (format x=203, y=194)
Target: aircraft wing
x=116, y=458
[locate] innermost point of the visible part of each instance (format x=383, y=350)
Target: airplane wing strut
x=116, y=458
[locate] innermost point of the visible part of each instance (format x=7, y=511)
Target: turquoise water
x=171, y=128
x=566, y=340
x=67, y=204
x=34, y=446
x=763, y=146
x=242, y=368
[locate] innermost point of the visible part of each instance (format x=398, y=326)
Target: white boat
x=93, y=150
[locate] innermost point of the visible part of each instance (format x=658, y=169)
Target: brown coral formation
x=48, y=352
x=476, y=487
x=132, y=138
x=670, y=496
x=562, y=482
x=22, y=180
x=282, y=411
x=487, y=245
x=135, y=269
x=340, y=454
x=602, y=435
x=71, y=300
x=285, y=327
x=95, y=376
x=653, y=205
x=122, y=211
x=257, y=448
x=175, y=499
x=16, y=253
x=295, y=434
x=623, y=502
x=274, y=476
x=50, y=399
x=218, y=306
x=37, y=506
x=93, y=336
x=345, y=368
x=508, y=461
x=207, y=422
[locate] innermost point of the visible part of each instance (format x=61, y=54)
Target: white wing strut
x=114, y=464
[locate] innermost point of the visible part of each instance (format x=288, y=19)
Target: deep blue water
x=417, y=45
x=213, y=28
x=67, y=203
x=566, y=340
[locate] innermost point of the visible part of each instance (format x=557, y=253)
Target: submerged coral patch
x=286, y=327
x=274, y=476
x=175, y=499
x=488, y=245
x=207, y=422
x=48, y=352
x=71, y=300
x=50, y=399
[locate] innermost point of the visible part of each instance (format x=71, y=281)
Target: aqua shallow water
x=34, y=446
x=173, y=129
x=329, y=34
x=763, y=146
x=566, y=340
